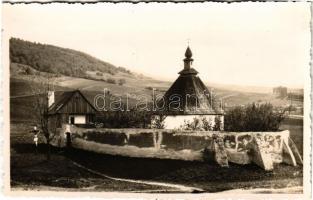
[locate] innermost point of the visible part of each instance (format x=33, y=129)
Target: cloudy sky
x=261, y=44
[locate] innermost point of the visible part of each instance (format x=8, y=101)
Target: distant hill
x=57, y=60
x=72, y=69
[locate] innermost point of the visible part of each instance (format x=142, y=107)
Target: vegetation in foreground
x=254, y=117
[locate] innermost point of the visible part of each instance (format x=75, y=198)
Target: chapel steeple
x=187, y=63
x=191, y=92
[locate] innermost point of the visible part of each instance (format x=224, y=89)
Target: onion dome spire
x=188, y=53
x=188, y=59
x=187, y=64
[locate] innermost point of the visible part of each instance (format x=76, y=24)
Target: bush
x=217, y=124
x=99, y=74
x=125, y=119
x=201, y=124
x=149, y=88
x=121, y=81
x=158, y=121
x=28, y=71
x=111, y=80
x=253, y=117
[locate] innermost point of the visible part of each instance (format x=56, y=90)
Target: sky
x=259, y=44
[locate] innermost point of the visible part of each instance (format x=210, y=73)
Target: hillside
x=70, y=69
x=57, y=60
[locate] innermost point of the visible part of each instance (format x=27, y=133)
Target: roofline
x=73, y=92
x=87, y=100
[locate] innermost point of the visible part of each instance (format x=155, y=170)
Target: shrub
x=121, y=81
x=253, y=117
x=202, y=124
x=158, y=121
x=28, y=71
x=111, y=80
x=207, y=124
x=99, y=74
x=217, y=124
x=194, y=124
x=149, y=88
x=125, y=119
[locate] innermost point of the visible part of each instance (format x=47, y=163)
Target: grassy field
x=20, y=85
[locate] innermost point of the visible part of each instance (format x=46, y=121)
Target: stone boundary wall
x=261, y=148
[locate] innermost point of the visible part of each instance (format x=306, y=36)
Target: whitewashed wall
x=175, y=122
x=78, y=119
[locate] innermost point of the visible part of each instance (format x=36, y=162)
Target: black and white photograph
x=157, y=98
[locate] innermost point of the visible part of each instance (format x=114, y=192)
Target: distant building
x=292, y=96
x=296, y=95
x=70, y=107
x=188, y=98
x=280, y=92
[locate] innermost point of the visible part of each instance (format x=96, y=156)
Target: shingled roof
x=190, y=91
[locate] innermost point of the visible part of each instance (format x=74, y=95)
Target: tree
x=254, y=117
x=40, y=89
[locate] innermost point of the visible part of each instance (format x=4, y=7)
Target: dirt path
x=176, y=187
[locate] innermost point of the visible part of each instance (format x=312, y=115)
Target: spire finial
x=188, y=53
x=188, y=62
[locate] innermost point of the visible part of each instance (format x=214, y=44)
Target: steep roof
x=191, y=93
x=62, y=98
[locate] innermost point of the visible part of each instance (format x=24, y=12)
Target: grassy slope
x=139, y=87
x=53, y=59
x=21, y=108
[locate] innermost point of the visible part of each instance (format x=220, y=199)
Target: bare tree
x=40, y=87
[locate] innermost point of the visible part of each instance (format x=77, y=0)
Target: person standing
x=35, y=131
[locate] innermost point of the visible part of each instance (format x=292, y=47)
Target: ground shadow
x=31, y=148
x=208, y=176
x=158, y=169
